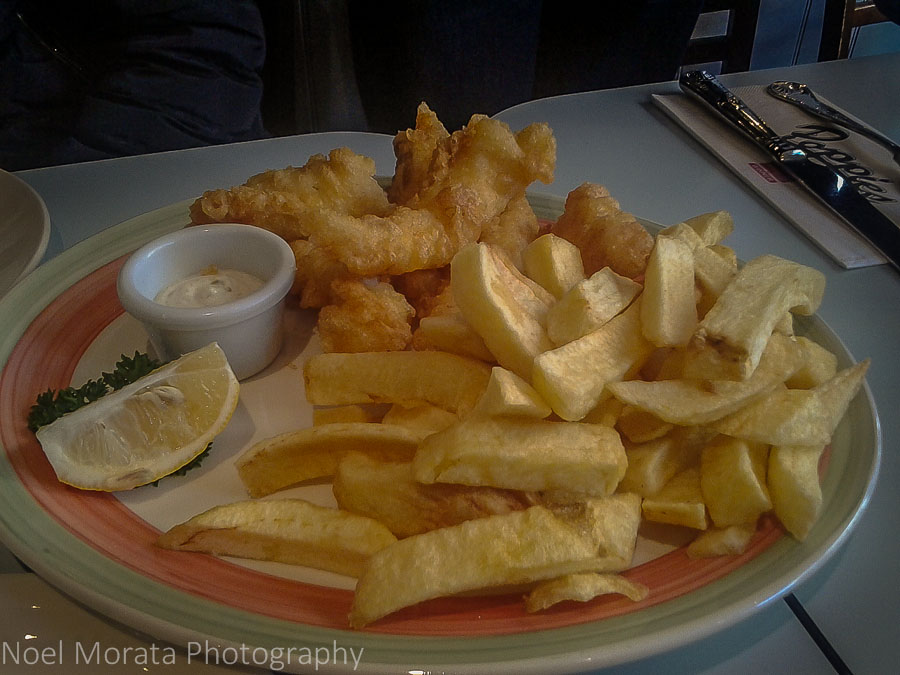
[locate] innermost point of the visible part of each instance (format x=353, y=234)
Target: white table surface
x=617, y=138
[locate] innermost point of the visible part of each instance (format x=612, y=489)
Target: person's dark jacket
x=107, y=78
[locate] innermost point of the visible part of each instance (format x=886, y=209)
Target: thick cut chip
x=524, y=454
x=739, y=324
x=690, y=402
x=582, y=587
x=451, y=333
x=291, y=531
x=639, y=426
x=797, y=416
x=679, y=502
x=282, y=461
x=423, y=419
x=509, y=394
x=496, y=551
x=668, y=310
x=589, y=304
x=611, y=523
x=554, y=263
x=607, y=412
x=503, y=309
x=571, y=378
x=819, y=366
x=387, y=492
x=733, y=481
x=793, y=480
x=652, y=464
x=446, y=380
x=712, y=227
x=731, y=540
x=712, y=271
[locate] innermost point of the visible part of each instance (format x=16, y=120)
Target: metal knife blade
x=825, y=183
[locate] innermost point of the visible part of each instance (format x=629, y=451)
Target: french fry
x=733, y=481
x=819, y=366
x=523, y=454
x=572, y=378
x=711, y=228
x=691, y=402
x=387, y=492
x=279, y=462
x=554, y=263
x=506, y=311
x=508, y=394
x=610, y=523
x=640, y=426
x=451, y=333
x=589, y=304
x=668, y=309
x=731, y=540
x=496, y=551
x=679, y=502
x=652, y=464
x=739, y=324
x=423, y=419
x=793, y=481
x=581, y=588
x=797, y=416
x=291, y=531
x=449, y=381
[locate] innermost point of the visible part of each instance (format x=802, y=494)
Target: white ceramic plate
x=64, y=323
x=24, y=230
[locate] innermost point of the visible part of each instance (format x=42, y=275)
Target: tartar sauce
x=209, y=288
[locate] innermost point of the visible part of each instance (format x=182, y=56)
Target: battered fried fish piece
x=513, y=229
x=423, y=288
x=316, y=268
x=414, y=149
x=473, y=175
x=280, y=200
x=365, y=318
x=606, y=235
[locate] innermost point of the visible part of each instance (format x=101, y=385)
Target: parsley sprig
x=51, y=405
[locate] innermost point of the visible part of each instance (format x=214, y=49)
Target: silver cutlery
x=803, y=97
x=822, y=181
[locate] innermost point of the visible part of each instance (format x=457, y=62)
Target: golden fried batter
x=606, y=235
x=473, y=175
x=280, y=200
x=414, y=149
x=315, y=270
x=365, y=318
x=513, y=229
x=423, y=289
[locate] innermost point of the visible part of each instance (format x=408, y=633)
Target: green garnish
x=51, y=405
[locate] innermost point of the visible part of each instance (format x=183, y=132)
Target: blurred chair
x=840, y=20
x=732, y=46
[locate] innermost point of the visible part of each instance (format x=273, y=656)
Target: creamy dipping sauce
x=209, y=288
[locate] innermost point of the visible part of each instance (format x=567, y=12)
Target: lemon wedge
x=147, y=429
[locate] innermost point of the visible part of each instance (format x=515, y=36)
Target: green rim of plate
x=176, y=617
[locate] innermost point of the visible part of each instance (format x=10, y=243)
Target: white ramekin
x=249, y=330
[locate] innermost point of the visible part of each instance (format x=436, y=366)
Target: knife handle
x=709, y=90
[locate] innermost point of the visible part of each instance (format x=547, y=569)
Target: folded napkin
x=866, y=163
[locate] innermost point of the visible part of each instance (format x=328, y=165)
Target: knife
x=825, y=183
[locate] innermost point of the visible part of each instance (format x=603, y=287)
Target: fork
x=803, y=97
